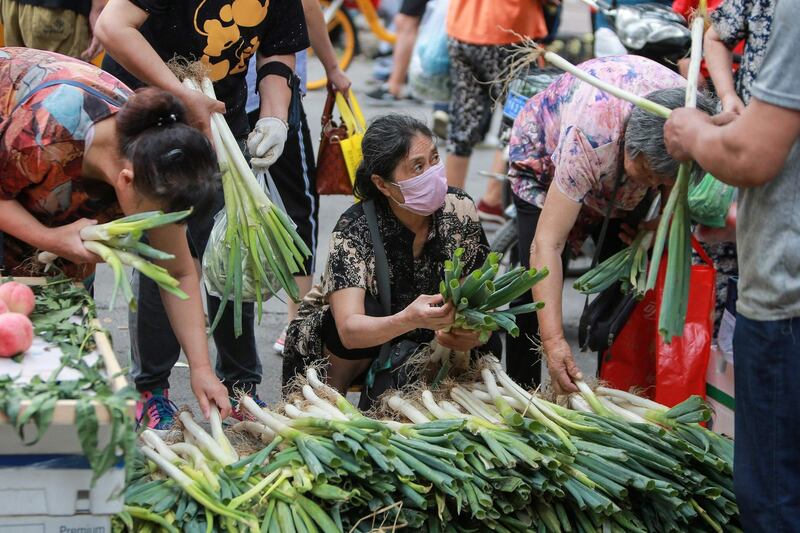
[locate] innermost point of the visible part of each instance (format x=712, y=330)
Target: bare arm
x=321, y=43
x=64, y=241
x=357, y=330
x=94, y=48
x=273, y=91
x=555, y=222
x=719, y=60
x=748, y=151
x=118, y=31
x=187, y=317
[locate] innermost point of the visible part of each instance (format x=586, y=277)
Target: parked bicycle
x=343, y=34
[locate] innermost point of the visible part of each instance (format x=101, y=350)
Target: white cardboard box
x=55, y=524
x=52, y=477
x=720, y=393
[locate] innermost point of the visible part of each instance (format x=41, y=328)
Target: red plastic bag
x=669, y=373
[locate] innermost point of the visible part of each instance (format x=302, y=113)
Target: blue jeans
x=767, y=462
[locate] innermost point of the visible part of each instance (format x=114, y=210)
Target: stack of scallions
x=261, y=250
x=119, y=244
x=484, y=455
x=674, y=225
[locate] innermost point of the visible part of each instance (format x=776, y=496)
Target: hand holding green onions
x=480, y=296
x=119, y=244
x=260, y=243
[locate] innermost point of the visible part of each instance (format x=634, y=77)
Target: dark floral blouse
x=351, y=263
x=750, y=20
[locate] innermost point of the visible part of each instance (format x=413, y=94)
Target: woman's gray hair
x=644, y=133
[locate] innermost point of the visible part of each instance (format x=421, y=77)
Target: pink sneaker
x=155, y=410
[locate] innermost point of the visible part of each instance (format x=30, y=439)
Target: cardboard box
x=52, y=524
x=720, y=393
x=52, y=477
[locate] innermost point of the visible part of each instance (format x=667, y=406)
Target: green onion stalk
x=118, y=244
x=675, y=219
x=257, y=251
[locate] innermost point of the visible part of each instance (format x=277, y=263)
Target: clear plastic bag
x=217, y=254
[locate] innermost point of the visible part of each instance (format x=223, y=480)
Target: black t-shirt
x=223, y=34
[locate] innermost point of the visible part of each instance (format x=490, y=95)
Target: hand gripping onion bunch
x=254, y=250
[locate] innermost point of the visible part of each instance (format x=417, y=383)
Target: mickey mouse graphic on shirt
x=227, y=32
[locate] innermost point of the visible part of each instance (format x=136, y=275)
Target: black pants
x=523, y=360
x=154, y=347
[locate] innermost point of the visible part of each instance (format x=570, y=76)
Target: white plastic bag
x=432, y=40
x=216, y=254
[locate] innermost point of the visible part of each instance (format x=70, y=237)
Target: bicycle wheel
x=343, y=36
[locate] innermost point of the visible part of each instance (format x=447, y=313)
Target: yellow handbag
x=356, y=126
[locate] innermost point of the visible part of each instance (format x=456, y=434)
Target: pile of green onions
x=119, y=244
x=261, y=244
x=472, y=456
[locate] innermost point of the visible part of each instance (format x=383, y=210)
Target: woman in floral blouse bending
x=573, y=150
x=421, y=223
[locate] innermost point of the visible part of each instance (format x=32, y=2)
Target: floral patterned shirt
x=750, y=20
x=42, y=141
x=572, y=133
x=351, y=263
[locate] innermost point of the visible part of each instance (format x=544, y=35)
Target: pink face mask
x=425, y=193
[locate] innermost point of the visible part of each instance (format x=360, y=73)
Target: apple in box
x=16, y=334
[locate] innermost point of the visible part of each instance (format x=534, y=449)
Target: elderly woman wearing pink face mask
x=421, y=222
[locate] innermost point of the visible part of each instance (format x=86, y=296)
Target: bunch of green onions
x=481, y=294
x=628, y=266
x=478, y=300
x=261, y=244
x=472, y=456
x=119, y=244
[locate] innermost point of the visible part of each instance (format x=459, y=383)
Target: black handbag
x=388, y=371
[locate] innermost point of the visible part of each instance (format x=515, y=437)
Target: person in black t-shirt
x=140, y=36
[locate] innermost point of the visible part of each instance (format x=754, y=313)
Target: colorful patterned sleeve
x=576, y=165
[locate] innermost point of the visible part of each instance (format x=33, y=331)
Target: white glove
x=265, y=142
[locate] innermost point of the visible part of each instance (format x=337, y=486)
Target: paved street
x=576, y=20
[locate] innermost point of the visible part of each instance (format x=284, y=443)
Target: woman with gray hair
x=421, y=222
x=574, y=150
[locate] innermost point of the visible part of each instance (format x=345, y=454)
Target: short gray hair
x=644, y=133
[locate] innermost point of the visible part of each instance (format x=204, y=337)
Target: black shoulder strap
x=381, y=262
x=604, y=229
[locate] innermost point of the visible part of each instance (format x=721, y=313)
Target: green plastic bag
x=709, y=202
